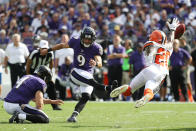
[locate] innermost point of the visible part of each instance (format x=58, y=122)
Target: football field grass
x=113, y=116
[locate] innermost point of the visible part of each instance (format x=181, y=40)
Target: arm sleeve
x=99, y=50
x=71, y=42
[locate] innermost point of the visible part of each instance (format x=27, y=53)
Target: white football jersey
x=158, y=54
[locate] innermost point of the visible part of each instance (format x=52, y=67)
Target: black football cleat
x=14, y=118
x=114, y=84
x=72, y=119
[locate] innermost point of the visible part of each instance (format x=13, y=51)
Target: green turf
x=113, y=116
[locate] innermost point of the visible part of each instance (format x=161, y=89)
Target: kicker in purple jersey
x=25, y=89
x=82, y=55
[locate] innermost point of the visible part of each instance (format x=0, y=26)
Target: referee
x=35, y=60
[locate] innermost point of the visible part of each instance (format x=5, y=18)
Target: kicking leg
x=84, y=78
x=102, y=87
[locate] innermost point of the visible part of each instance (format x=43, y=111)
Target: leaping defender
x=157, y=52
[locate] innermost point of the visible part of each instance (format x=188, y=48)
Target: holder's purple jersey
x=25, y=89
x=82, y=55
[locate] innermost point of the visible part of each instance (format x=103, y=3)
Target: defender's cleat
x=116, y=92
x=142, y=101
x=72, y=119
x=14, y=118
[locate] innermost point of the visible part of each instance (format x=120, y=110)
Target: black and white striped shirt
x=38, y=60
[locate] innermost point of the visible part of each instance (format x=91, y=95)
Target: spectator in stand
x=72, y=15
x=105, y=34
x=86, y=20
x=3, y=24
x=15, y=57
x=4, y=40
x=37, y=21
x=12, y=27
x=111, y=23
x=43, y=27
x=27, y=35
x=77, y=30
x=54, y=24
x=163, y=19
x=179, y=59
x=168, y=5
x=120, y=18
x=24, y=18
x=65, y=23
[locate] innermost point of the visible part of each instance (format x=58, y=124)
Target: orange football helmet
x=158, y=37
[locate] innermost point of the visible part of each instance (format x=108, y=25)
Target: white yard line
x=138, y=128
x=189, y=112
x=167, y=111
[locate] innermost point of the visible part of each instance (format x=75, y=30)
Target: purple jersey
x=82, y=55
x=25, y=89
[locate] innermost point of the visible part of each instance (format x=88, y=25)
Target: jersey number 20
x=162, y=57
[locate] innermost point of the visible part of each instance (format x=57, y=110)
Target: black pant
x=16, y=71
x=177, y=77
x=115, y=73
x=51, y=90
x=62, y=89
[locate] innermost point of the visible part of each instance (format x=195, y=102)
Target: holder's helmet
x=44, y=73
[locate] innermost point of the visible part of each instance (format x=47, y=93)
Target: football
x=179, y=31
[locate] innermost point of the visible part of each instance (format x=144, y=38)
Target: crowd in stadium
x=125, y=22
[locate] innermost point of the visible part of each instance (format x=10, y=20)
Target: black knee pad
x=85, y=96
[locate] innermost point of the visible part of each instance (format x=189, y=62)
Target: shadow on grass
x=180, y=129
x=26, y=122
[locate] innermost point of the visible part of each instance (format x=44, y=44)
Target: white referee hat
x=43, y=44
